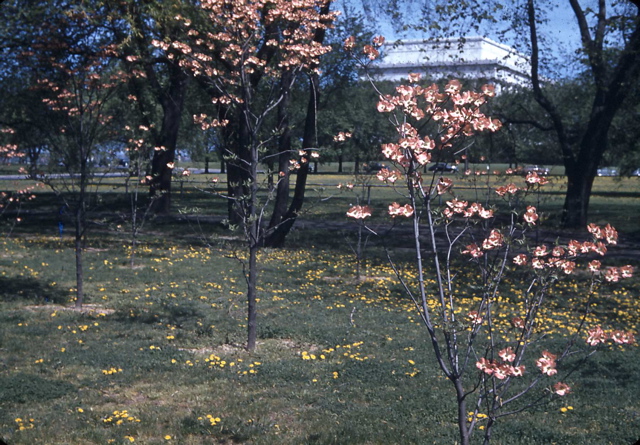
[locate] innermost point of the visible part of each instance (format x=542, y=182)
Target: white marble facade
x=471, y=58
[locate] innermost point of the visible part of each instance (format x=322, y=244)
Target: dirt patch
x=91, y=309
x=231, y=349
x=356, y=280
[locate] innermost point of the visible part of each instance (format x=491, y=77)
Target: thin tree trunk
x=79, y=261
x=251, y=218
x=462, y=411
x=252, y=308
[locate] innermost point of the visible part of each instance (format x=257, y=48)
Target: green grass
x=163, y=341
x=338, y=361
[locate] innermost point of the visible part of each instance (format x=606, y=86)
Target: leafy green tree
x=609, y=46
x=157, y=84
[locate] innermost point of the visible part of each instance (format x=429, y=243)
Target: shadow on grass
x=27, y=388
x=29, y=289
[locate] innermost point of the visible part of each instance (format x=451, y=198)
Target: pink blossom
x=562, y=389
x=600, y=248
x=359, y=212
x=396, y=209
x=520, y=259
x=547, y=363
x=457, y=206
x=595, y=231
x=485, y=366
x=485, y=213
x=537, y=263
x=530, y=215
x=567, y=266
x=594, y=266
x=611, y=235
x=475, y=317
x=502, y=371
x=507, y=354
x=612, y=275
x=541, y=251
x=626, y=271
x=596, y=336
x=494, y=240
x=473, y=250
x=444, y=184
x=621, y=337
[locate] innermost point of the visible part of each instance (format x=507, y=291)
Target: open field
x=156, y=356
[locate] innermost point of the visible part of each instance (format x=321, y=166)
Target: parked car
x=608, y=171
x=535, y=169
x=443, y=167
x=636, y=172
x=373, y=167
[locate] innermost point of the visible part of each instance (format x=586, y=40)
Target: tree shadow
x=14, y=289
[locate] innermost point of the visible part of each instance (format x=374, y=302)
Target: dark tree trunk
x=581, y=174
x=172, y=104
x=238, y=172
x=278, y=233
x=78, y=245
x=253, y=235
x=80, y=224
x=284, y=149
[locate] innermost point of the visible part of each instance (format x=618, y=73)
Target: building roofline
x=452, y=40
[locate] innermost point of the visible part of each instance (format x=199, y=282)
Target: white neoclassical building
x=469, y=58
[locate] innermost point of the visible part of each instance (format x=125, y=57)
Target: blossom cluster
x=246, y=37
x=457, y=113
x=562, y=257
x=501, y=369
x=493, y=241
x=547, y=363
x=597, y=335
x=359, y=212
x=466, y=210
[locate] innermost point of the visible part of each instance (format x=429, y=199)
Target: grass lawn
x=156, y=356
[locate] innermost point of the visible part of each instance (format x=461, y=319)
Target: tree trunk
x=252, y=307
x=579, y=184
x=278, y=234
x=239, y=177
x=462, y=411
x=78, y=253
x=284, y=148
x=253, y=233
x=172, y=104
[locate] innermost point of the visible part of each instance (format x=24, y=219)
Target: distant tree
x=609, y=51
x=157, y=84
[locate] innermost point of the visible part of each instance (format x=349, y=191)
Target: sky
x=561, y=27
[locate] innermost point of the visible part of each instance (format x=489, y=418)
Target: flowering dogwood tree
x=490, y=361
x=247, y=55
x=79, y=82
